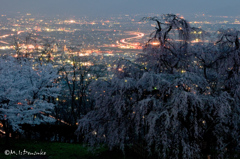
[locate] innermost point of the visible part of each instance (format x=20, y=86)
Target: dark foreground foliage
x=57, y=150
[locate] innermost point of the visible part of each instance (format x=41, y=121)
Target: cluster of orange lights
x=155, y=43
x=62, y=121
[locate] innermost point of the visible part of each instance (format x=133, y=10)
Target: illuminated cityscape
x=121, y=36
x=127, y=83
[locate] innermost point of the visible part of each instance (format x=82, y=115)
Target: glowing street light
x=155, y=42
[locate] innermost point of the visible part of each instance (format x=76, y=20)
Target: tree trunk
x=6, y=128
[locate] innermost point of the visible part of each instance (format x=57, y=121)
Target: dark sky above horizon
x=106, y=7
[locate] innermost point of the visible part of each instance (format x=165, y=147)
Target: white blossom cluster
x=175, y=97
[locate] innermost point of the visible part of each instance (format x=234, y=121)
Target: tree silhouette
x=177, y=97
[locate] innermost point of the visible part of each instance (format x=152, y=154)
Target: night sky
x=106, y=7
